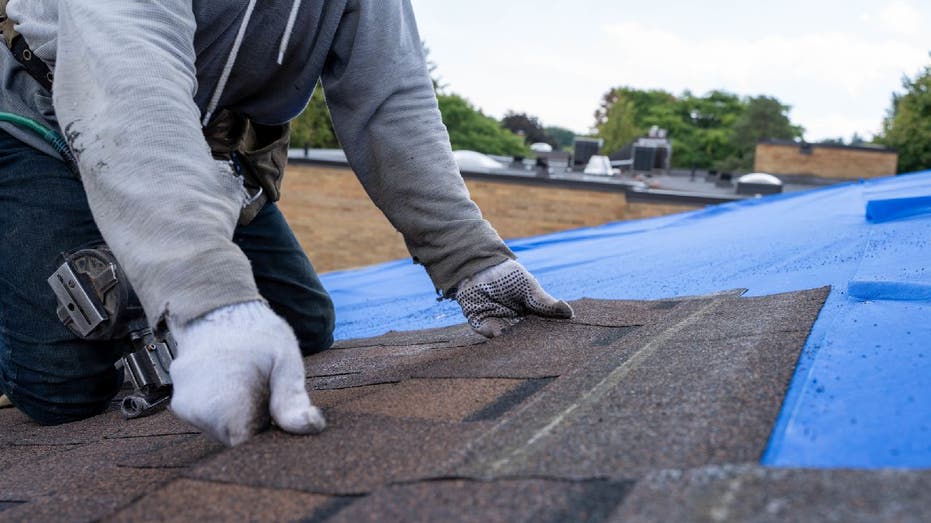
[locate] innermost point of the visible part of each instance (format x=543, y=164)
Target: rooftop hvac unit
x=644, y=158
x=585, y=148
x=652, y=153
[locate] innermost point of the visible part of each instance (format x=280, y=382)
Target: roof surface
x=860, y=394
x=675, y=186
x=606, y=417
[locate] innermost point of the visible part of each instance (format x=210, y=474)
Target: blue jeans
x=48, y=372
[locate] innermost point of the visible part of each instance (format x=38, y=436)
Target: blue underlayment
x=861, y=395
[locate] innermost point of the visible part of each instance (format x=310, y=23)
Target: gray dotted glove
x=499, y=296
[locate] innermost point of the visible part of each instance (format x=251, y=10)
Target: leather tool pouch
x=259, y=154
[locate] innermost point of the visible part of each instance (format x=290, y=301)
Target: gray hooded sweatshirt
x=135, y=82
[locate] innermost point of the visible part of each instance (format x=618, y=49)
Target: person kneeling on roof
x=176, y=114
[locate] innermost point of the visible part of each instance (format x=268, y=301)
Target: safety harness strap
x=20, y=49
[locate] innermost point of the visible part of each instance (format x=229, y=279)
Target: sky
x=836, y=63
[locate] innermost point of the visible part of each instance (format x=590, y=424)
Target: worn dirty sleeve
x=124, y=87
x=386, y=117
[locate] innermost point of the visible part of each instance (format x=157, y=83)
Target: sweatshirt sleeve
x=386, y=117
x=124, y=87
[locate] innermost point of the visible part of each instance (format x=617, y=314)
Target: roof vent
x=759, y=178
x=759, y=183
x=473, y=161
x=600, y=165
x=584, y=149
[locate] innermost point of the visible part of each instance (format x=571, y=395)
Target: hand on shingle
x=234, y=367
x=500, y=296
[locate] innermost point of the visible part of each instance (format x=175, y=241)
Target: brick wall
x=340, y=228
x=832, y=162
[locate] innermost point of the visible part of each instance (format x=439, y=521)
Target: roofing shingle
x=205, y=501
x=355, y=455
x=553, y=421
x=749, y=492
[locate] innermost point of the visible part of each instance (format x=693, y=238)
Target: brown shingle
x=534, y=348
x=80, y=432
x=618, y=313
x=559, y=417
x=77, y=491
x=371, y=365
x=356, y=454
x=442, y=337
x=531, y=500
x=774, y=495
x=441, y=400
x=672, y=401
x=160, y=424
x=203, y=501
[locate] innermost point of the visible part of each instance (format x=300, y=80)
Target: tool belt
x=258, y=153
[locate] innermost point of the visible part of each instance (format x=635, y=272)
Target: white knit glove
x=499, y=296
x=233, y=366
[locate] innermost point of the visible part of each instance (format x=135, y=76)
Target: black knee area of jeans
x=75, y=400
x=286, y=278
x=314, y=331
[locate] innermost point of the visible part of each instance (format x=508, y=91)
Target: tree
x=470, y=129
x=765, y=118
x=618, y=126
x=644, y=102
x=710, y=120
x=907, y=125
x=523, y=124
x=565, y=138
x=716, y=130
x=313, y=127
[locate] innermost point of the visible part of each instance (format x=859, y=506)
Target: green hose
x=51, y=137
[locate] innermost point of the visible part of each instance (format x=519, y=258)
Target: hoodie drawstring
x=286, y=37
x=230, y=60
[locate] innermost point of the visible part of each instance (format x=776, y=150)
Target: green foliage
x=313, y=128
x=565, y=138
x=618, y=126
x=470, y=129
x=707, y=139
x=717, y=130
x=765, y=118
x=644, y=102
x=856, y=139
x=907, y=125
x=529, y=127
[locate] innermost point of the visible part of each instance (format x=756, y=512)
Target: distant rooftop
x=701, y=187
x=860, y=147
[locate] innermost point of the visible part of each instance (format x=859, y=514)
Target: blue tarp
x=861, y=395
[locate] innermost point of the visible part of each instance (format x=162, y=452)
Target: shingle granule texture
x=631, y=411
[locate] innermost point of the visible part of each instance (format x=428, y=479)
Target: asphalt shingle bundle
x=599, y=418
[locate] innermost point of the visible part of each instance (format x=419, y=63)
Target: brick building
x=825, y=160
